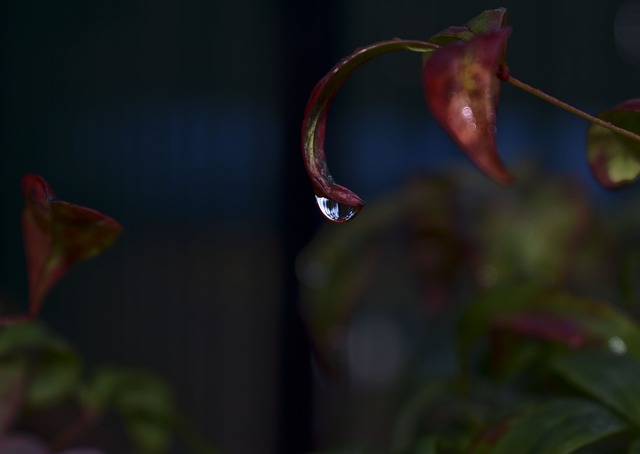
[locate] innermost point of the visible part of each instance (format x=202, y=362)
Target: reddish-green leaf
x=462, y=91
x=491, y=20
x=614, y=158
x=336, y=202
x=56, y=235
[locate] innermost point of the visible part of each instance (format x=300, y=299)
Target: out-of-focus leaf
x=53, y=367
x=611, y=379
x=82, y=451
x=558, y=427
x=337, y=203
x=143, y=401
x=462, y=91
x=634, y=448
x=22, y=444
x=56, y=235
x=12, y=385
x=19, y=339
x=428, y=445
x=614, y=158
x=589, y=321
x=53, y=375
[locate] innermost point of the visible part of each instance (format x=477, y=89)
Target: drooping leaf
x=337, y=203
x=56, y=235
x=462, y=91
x=559, y=427
x=609, y=378
x=614, y=158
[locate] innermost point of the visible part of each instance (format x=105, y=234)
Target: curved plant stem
x=542, y=95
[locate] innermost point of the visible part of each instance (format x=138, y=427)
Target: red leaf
x=57, y=234
x=336, y=202
x=462, y=91
x=544, y=326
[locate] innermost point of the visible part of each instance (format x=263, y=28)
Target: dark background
x=181, y=120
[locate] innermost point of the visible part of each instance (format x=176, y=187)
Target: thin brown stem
x=542, y=95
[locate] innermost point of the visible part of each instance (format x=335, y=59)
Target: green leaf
x=19, y=339
x=611, y=379
x=53, y=376
x=428, y=445
x=634, y=448
x=558, y=427
x=143, y=401
x=614, y=158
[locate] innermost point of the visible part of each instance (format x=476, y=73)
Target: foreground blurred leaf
x=611, y=379
x=56, y=235
x=143, y=401
x=573, y=321
x=558, y=427
x=53, y=368
x=462, y=92
x=614, y=158
x=54, y=373
x=12, y=384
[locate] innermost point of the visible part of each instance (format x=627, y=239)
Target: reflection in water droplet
x=335, y=211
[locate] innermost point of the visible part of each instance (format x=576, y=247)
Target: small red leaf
x=614, y=158
x=462, y=91
x=545, y=326
x=57, y=234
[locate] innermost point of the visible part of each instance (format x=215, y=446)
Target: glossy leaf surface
x=611, y=379
x=337, y=203
x=614, y=158
x=56, y=235
x=462, y=92
x=559, y=427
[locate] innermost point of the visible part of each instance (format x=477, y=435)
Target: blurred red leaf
x=614, y=158
x=56, y=234
x=544, y=326
x=462, y=90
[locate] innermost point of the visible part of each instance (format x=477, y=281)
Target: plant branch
x=555, y=101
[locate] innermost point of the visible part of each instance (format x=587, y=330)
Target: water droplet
x=617, y=345
x=335, y=211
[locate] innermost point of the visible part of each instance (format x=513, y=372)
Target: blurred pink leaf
x=22, y=444
x=614, y=158
x=57, y=234
x=462, y=91
x=545, y=326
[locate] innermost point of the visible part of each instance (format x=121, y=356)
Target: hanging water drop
x=335, y=211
